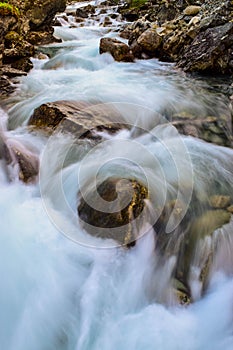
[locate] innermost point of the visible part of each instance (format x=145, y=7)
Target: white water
x=59, y=294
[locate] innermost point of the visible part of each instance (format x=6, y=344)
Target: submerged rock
x=81, y=119
x=211, y=129
x=125, y=203
x=195, y=252
x=194, y=243
x=119, y=50
x=23, y=162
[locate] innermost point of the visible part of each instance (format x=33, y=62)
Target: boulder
x=40, y=13
x=16, y=48
x=192, y=10
x=84, y=12
x=80, y=119
x=210, y=51
x=119, y=50
x=176, y=37
x=125, y=200
x=135, y=29
x=149, y=41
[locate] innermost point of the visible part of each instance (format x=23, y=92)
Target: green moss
x=8, y=9
x=12, y=36
x=137, y=3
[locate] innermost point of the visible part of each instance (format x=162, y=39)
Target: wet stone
x=219, y=201
x=120, y=224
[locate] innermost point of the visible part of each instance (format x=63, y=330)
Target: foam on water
x=57, y=295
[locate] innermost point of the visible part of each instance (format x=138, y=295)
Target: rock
x=107, y=21
x=7, y=73
x=23, y=64
x=119, y=50
x=41, y=37
x=174, y=41
x=18, y=52
x=136, y=49
x=149, y=41
x=26, y=162
x=7, y=23
x=210, y=129
x=182, y=292
x=131, y=15
x=210, y=51
x=12, y=72
x=6, y=87
x=120, y=225
x=166, y=12
x=230, y=209
x=40, y=13
x=78, y=118
x=192, y=10
x=200, y=228
x=219, y=201
x=84, y=12
x=136, y=29
x=23, y=18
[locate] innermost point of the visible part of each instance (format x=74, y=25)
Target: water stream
x=62, y=289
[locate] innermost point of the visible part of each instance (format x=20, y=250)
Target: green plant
x=8, y=9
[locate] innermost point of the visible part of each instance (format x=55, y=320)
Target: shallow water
x=66, y=290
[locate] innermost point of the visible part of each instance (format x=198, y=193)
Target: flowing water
x=66, y=290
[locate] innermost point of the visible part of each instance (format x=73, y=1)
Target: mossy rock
x=8, y=10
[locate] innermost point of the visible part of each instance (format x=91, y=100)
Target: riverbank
x=196, y=35
x=24, y=25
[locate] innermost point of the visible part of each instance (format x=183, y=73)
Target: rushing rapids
x=66, y=287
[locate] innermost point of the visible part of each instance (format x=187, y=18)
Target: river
x=62, y=289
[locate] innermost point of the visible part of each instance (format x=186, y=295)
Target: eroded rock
x=122, y=225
